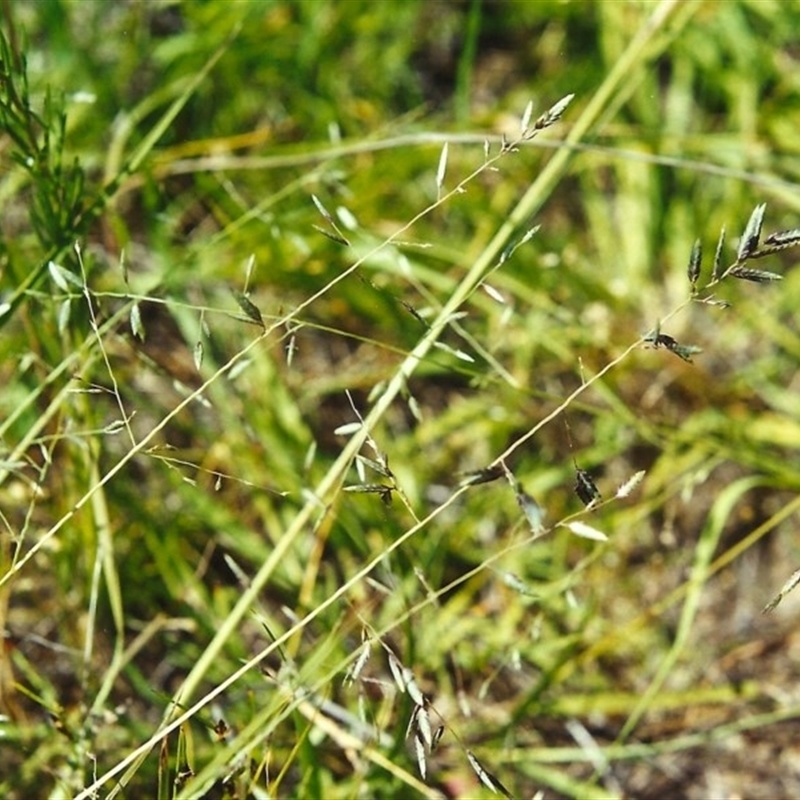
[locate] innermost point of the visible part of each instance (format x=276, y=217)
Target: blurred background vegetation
x=542, y=675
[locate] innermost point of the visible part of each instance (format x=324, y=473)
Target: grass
x=284, y=286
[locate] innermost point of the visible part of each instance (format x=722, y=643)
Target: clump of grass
x=264, y=504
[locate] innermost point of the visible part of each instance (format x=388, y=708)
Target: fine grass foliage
x=400, y=399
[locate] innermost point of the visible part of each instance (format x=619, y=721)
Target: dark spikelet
x=485, y=475
x=370, y=488
x=437, y=735
x=332, y=235
x=412, y=722
x=718, y=256
x=413, y=311
x=486, y=777
x=710, y=301
x=424, y=729
x=250, y=309
x=653, y=336
x=221, y=729
x=695, y=261
x=585, y=488
x=684, y=351
x=783, y=239
x=772, y=605
x=552, y=115
x=752, y=233
x=381, y=467
x=755, y=275
x=770, y=249
x=787, y=587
